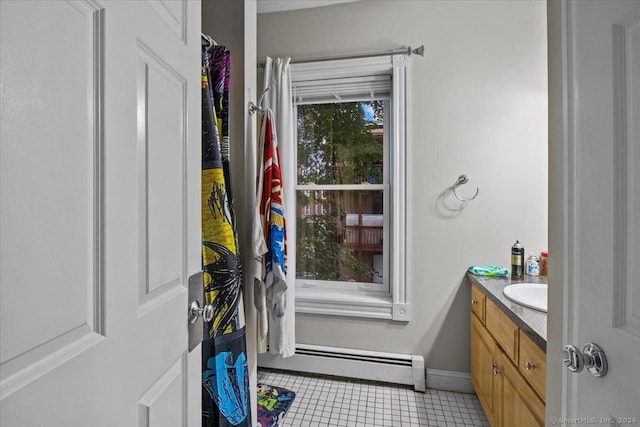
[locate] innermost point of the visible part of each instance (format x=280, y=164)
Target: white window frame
x=320, y=297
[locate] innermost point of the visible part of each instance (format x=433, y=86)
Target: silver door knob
x=591, y=357
x=195, y=311
x=572, y=358
x=594, y=360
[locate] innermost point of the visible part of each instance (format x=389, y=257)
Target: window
x=350, y=188
x=341, y=152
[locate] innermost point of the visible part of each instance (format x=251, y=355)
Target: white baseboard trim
x=449, y=381
x=368, y=365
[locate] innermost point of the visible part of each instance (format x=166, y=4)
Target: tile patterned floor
x=331, y=401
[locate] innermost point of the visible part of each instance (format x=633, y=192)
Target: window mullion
x=343, y=187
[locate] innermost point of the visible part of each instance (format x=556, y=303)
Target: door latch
x=196, y=313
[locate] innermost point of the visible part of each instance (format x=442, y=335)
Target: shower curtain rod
x=404, y=50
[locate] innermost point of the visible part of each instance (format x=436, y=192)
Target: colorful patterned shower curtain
x=225, y=377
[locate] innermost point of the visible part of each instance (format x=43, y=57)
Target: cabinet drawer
x=503, y=330
x=478, y=303
x=533, y=364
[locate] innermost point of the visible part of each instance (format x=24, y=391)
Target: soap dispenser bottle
x=532, y=266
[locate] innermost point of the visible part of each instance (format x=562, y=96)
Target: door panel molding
x=174, y=17
x=162, y=404
x=161, y=179
x=33, y=364
x=626, y=56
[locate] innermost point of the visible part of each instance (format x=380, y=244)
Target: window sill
x=332, y=302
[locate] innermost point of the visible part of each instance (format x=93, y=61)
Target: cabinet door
x=533, y=364
x=519, y=404
x=483, y=350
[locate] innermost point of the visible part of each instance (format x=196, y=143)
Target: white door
x=603, y=210
x=100, y=202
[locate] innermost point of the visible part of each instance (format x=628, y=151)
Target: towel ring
x=463, y=179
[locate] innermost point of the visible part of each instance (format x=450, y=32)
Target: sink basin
x=532, y=295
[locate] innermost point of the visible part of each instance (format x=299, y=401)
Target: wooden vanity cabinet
x=507, y=368
x=484, y=358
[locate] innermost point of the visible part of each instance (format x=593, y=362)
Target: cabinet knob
x=494, y=368
x=473, y=301
x=529, y=366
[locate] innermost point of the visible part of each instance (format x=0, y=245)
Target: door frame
x=562, y=188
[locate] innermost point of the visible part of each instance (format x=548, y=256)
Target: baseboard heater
x=345, y=362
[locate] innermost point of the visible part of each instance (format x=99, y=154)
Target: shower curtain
x=277, y=77
x=225, y=377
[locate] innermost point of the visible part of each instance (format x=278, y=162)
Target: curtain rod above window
x=404, y=50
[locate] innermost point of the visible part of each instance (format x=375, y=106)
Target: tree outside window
x=340, y=144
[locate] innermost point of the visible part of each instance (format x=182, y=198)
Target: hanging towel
x=269, y=234
x=488, y=270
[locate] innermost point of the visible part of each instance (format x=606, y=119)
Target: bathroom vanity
x=508, y=355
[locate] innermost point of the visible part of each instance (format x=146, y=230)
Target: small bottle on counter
x=517, y=261
x=532, y=266
x=543, y=263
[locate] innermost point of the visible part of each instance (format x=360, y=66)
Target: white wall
x=478, y=106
